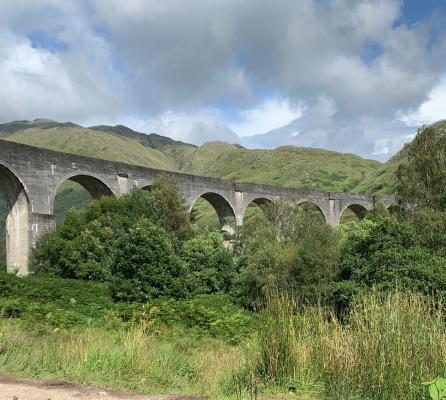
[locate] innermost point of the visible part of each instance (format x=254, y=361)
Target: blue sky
x=349, y=75
x=417, y=10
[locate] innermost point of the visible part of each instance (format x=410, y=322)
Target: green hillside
x=284, y=166
x=75, y=139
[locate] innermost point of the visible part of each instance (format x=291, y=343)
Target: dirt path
x=27, y=389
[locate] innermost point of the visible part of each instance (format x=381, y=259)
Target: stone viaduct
x=31, y=176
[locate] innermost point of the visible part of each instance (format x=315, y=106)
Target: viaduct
x=31, y=176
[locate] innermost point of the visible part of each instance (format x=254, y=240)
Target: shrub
x=145, y=265
x=288, y=248
x=54, y=302
x=210, y=266
x=383, y=252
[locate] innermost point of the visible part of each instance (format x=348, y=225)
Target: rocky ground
x=12, y=388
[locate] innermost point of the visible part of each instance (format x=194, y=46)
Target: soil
x=12, y=388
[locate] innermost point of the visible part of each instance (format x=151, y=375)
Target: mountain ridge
x=286, y=165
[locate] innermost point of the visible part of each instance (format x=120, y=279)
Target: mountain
x=72, y=138
x=284, y=166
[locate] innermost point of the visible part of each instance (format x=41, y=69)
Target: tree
x=145, y=265
x=382, y=252
x=422, y=176
x=172, y=207
x=288, y=248
x=210, y=266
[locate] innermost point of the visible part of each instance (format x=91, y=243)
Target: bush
x=54, y=302
x=288, y=248
x=213, y=315
x=382, y=252
x=145, y=265
x=210, y=266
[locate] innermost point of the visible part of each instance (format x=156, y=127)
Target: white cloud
x=271, y=114
x=177, y=64
x=434, y=108
x=194, y=127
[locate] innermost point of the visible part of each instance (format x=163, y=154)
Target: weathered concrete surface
x=31, y=176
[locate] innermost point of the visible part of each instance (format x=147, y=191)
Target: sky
x=354, y=76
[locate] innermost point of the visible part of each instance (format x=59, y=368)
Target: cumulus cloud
x=271, y=114
x=342, y=74
x=194, y=127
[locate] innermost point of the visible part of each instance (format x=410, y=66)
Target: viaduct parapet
x=31, y=176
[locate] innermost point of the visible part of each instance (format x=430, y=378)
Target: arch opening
x=313, y=208
x=15, y=223
x=255, y=208
x=77, y=192
x=212, y=211
x=352, y=214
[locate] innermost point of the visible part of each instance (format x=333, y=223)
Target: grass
x=384, y=348
x=128, y=359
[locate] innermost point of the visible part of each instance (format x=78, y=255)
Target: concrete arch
x=259, y=201
x=314, y=205
x=90, y=182
x=220, y=204
x=18, y=220
x=359, y=210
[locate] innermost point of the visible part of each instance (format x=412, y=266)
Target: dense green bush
x=66, y=303
x=288, y=248
x=145, y=265
x=54, y=302
x=82, y=246
x=142, y=244
x=210, y=266
x=384, y=253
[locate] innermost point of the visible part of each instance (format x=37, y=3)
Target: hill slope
x=383, y=181
x=72, y=138
x=285, y=166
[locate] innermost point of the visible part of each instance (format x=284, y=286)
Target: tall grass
x=386, y=348
x=128, y=359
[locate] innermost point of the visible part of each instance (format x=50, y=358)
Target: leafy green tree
x=145, y=265
x=288, y=248
x=171, y=205
x=422, y=177
x=210, y=266
x=382, y=252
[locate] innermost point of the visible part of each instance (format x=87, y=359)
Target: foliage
x=135, y=243
x=210, y=266
x=43, y=302
x=430, y=225
x=437, y=388
x=380, y=251
x=82, y=246
x=422, y=177
x=145, y=265
x=203, y=315
x=54, y=302
x=170, y=203
x=288, y=248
